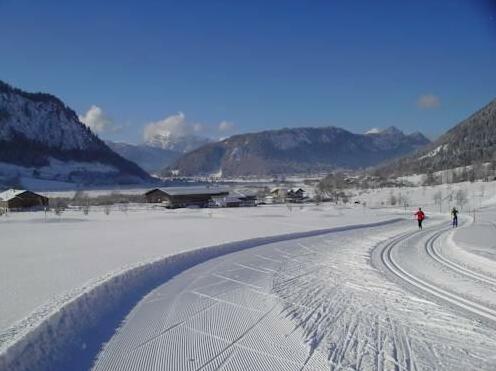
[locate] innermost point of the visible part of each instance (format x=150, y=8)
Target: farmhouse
x=18, y=199
x=237, y=200
x=228, y=201
x=176, y=197
x=296, y=195
x=247, y=200
x=278, y=194
x=287, y=195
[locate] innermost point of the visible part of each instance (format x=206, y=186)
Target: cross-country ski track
x=379, y=296
x=472, y=306
x=343, y=300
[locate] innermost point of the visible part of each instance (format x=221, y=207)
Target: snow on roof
x=244, y=194
x=297, y=189
x=179, y=191
x=11, y=194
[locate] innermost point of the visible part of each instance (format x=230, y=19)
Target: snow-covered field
x=46, y=261
x=314, y=297
x=479, y=194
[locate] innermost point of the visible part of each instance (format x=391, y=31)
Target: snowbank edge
x=71, y=336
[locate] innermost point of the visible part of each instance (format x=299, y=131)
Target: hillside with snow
x=297, y=151
x=471, y=142
x=176, y=143
x=40, y=137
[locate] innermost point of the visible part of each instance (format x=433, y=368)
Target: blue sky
x=357, y=64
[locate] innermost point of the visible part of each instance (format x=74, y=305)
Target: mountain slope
x=38, y=130
x=296, y=151
x=176, y=143
x=152, y=159
x=472, y=140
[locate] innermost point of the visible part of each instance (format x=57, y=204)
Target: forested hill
x=38, y=130
x=472, y=141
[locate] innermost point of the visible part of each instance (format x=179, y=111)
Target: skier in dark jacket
x=420, y=217
x=454, y=214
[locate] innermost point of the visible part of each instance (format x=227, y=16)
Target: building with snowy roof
x=17, y=199
x=296, y=195
x=237, y=199
x=290, y=195
x=176, y=197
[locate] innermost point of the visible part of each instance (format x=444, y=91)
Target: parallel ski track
x=435, y=254
x=461, y=302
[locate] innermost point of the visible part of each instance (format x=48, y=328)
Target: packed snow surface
x=46, y=261
x=314, y=303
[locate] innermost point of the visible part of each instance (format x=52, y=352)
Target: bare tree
x=430, y=179
x=318, y=196
x=481, y=194
x=80, y=196
x=477, y=170
x=345, y=198
x=290, y=208
x=392, y=199
x=461, y=197
x=107, y=209
x=123, y=208
x=449, y=176
x=58, y=205
x=331, y=186
x=58, y=209
x=438, y=199
x=450, y=195
x=404, y=201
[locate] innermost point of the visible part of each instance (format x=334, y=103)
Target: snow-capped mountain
x=296, y=151
x=471, y=141
x=40, y=135
x=152, y=159
x=176, y=143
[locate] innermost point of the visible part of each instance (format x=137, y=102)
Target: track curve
x=435, y=254
x=395, y=267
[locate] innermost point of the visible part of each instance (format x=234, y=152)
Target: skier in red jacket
x=420, y=217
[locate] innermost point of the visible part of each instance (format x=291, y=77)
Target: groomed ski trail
x=308, y=303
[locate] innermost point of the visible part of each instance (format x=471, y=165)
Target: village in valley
x=16, y=200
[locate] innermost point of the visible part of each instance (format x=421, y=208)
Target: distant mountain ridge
x=175, y=143
x=471, y=141
x=149, y=158
x=296, y=151
x=38, y=130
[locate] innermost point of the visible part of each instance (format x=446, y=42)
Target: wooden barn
x=176, y=197
x=19, y=199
